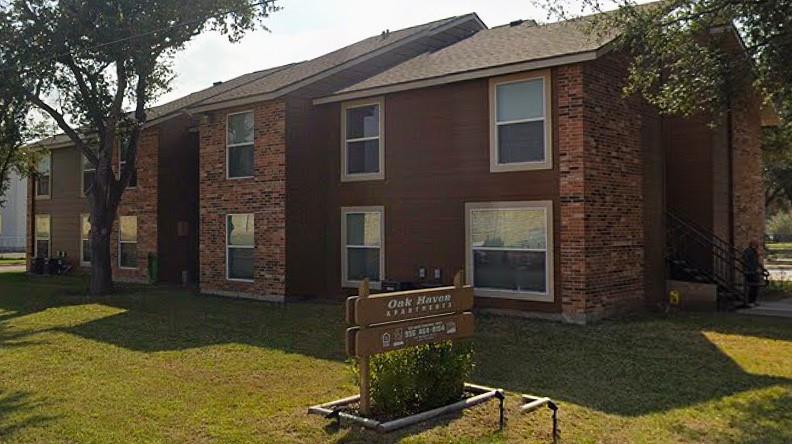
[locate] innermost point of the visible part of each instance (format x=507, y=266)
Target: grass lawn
x=778, y=246
x=9, y=261
x=156, y=365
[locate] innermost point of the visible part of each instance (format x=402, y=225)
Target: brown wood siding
x=65, y=205
x=307, y=178
x=178, y=201
x=436, y=160
x=654, y=206
x=689, y=175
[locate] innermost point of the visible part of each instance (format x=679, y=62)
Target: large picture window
x=520, y=123
x=510, y=249
x=127, y=242
x=43, y=236
x=240, y=142
x=43, y=180
x=85, y=240
x=362, y=151
x=240, y=246
x=362, y=234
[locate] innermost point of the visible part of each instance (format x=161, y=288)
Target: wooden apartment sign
x=394, y=321
x=390, y=337
x=406, y=305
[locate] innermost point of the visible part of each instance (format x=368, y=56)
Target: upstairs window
x=240, y=246
x=127, y=242
x=44, y=176
x=362, y=151
x=85, y=239
x=43, y=237
x=520, y=123
x=362, y=233
x=88, y=175
x=123, y=149
x=240, y=142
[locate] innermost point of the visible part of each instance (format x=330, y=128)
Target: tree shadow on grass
x=15, y=408
x=629, y=368
x=161, y=321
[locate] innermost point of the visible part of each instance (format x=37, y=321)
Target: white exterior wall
x=14, y=215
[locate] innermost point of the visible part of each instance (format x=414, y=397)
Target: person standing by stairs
x=752, y=261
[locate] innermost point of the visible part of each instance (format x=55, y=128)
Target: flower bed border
x=481, y=394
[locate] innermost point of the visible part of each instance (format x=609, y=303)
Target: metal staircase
x=698, y=255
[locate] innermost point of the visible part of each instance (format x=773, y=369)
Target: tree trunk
x=104, y=200
x=101, y=265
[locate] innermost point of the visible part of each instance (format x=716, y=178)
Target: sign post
x=363, y=362
x=394, y=321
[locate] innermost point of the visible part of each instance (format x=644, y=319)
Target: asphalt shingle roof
x=310, y=68
x=499, y=46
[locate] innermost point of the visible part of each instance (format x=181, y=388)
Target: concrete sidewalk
x=782, y=309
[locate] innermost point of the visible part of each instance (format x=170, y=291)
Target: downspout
x=730, y=157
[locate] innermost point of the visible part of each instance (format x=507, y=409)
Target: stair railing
x=710, y=256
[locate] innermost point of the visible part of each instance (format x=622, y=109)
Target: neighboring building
x=507, y=152
x=13, y=215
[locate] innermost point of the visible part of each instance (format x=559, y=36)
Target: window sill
x=127, y=268
x=43, y=197
x=363, y=177
x=514, y=295
x=245, y=281
x=241, y=178
x=520, y=166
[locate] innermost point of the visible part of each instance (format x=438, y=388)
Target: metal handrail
x=727, y=268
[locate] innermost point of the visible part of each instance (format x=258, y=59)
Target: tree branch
x=61, y=121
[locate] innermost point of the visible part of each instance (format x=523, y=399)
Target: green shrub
x=780, y=224
x=417, y=379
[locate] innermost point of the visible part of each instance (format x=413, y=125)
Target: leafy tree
x=679, y=60
x=777, y=159
x=82, y=62
x=13, y=129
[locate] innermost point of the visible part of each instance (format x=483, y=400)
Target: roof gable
x=499, y=47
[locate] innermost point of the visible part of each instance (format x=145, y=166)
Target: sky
x=305, y=29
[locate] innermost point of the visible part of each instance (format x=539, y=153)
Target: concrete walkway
x=782, y=308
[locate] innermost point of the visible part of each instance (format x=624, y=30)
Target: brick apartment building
x=508, y=152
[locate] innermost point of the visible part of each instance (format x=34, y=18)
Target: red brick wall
x=601, y=192
x=140, y=201
x=264, y=195
x=748, y=187
x=571, y=155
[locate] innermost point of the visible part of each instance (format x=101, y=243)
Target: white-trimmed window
x=43, y=236
x=240, y=247
x=240, y=139
x=363, y=140
x=127, y=242
x=520, y=124
x=43, y=181
x=85, y=240
x=362, y=245
x=123, y=143
x=509, y=249
x=88, y=174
